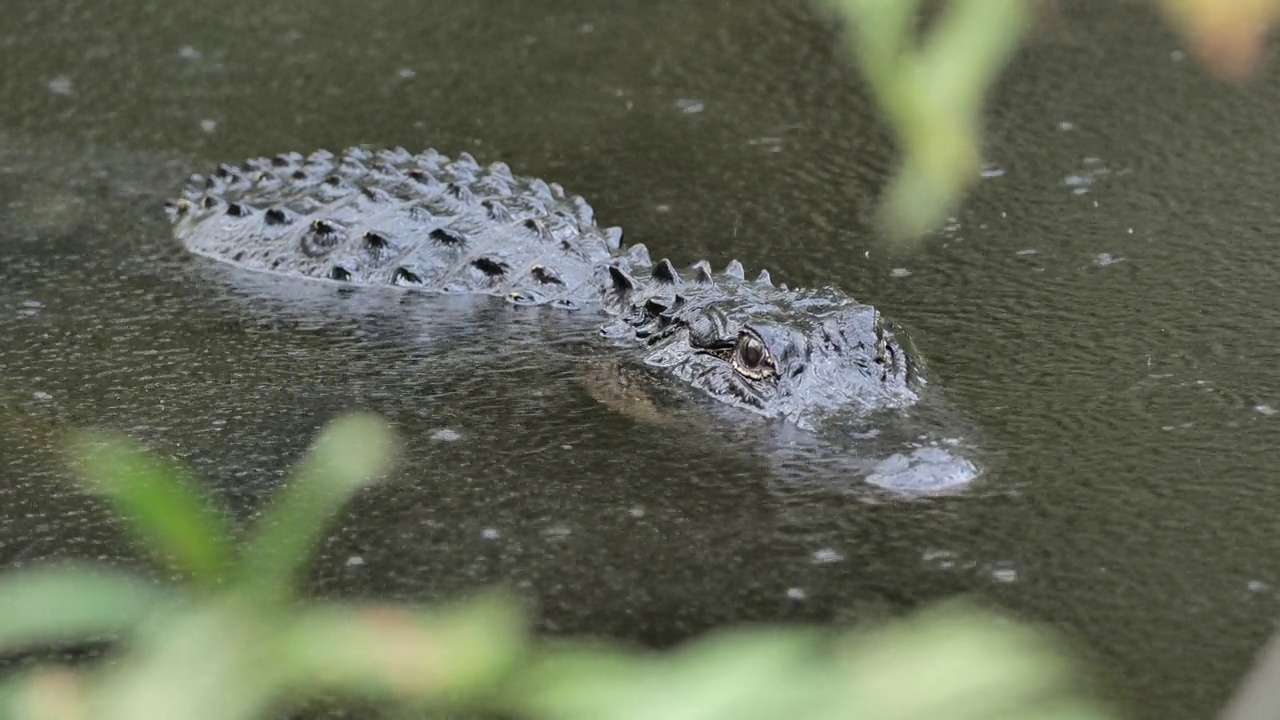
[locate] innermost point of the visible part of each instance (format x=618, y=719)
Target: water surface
x=1101, y=313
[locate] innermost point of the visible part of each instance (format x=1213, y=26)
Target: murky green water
x=1102, y=312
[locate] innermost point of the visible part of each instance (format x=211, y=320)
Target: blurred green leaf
x=214, y=661
x=939, y=125
x=931, y=90
x=955, y=662
x=440, y=655
x=1228, y=35
x=745, y=675
x=952, y=664
x=883, y=31
x=163, y=506
x=55, y=604
x=353, y=451
x=969, y=46
x=45, y=694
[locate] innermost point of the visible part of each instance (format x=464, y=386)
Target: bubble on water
x=1079, y=182
x=29, y=309
x=1082, y=181
x=446, y=435
x=1003, y=571
x=923, y=471
x=942, y=559
x=61, y=85
x=690, y=106
x=826, y=555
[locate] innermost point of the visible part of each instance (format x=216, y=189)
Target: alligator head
x=798, y=355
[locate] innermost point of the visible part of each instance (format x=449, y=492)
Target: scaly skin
x=428, y=223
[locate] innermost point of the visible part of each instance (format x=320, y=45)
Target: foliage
x=949, y=662
x=931, y=92
x=236, y=642
x=931, y=86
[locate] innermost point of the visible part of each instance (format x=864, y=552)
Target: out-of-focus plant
x=931, y=89
x=235, y=642
x=931, y=85
x=951, y=663
x=1228, y=35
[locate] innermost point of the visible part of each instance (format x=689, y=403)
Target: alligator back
x=394, y=218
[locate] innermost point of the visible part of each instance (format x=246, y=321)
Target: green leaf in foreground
x=941, y=664
x=743, y=675
x=45, y=694
x=210, y=661
x=931, y=90
x=56, y=604
x=958, y=663
x=163, y=507
x=448, y=654
x=353, y=451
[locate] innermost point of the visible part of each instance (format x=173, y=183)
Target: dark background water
x=1103, y=311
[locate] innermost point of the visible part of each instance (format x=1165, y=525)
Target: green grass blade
x=55, y=604
x=353, y=451
x=163, y=506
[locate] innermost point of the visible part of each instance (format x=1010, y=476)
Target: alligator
x=430, y=223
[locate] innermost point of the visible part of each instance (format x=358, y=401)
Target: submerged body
x=428, y=223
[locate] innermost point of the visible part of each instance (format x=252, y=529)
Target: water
x=1110, y=336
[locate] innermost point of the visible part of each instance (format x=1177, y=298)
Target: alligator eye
x=751, y=358
x=750, y=353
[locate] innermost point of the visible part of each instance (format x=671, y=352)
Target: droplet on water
x=823, y=556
